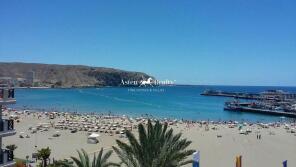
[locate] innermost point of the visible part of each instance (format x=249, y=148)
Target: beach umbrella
x=196, y=159
x=285, y=163
x=238, y=162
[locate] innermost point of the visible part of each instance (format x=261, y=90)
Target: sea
x=172, y=102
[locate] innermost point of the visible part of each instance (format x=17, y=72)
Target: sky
x=217, y=42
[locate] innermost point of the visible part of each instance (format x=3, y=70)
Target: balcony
x=7, y=96
x=6, y=128
x=6, y=158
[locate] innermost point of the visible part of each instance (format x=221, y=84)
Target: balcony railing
x=6, y=126
x=6, y=156
x=6, y=94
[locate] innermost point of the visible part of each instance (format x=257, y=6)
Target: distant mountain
x=66, y=75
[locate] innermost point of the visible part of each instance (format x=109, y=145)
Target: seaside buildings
x=28, y=81
x=7, y=80
x=6, y=126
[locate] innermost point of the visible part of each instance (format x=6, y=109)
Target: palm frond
x=105, y=157
x=98, y=161
x=77, y=162
x=156, y=146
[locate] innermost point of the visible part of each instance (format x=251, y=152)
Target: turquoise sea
x=166, y=102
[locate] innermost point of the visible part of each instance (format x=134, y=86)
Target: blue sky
x=225, y=42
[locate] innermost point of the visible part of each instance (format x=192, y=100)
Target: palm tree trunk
x=45, y=162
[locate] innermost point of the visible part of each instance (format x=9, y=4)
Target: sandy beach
x=218, y=143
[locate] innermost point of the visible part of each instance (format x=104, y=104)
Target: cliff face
x=68, y=75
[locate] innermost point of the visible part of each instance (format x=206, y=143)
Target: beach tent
x=92, y=139
x=94, y=135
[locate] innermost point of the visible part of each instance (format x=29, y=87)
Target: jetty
x=232, y=94
x=245, y=108
x=266, y=95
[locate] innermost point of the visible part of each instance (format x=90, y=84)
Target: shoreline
x=281, y=119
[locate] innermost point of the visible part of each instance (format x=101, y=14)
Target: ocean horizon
x=173, y=102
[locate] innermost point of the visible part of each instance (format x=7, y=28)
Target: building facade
x=6, y=126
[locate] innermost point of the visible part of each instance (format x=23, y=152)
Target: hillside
x=66, y=75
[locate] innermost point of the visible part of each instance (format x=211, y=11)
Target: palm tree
x=98, y=161
x=11, y=147
x=156, y=147
x=44, y=154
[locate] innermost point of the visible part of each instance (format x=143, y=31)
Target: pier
x=260, y=111
x=266, y=95
x=232, y=94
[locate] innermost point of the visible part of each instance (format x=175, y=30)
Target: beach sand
x=275, y=146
